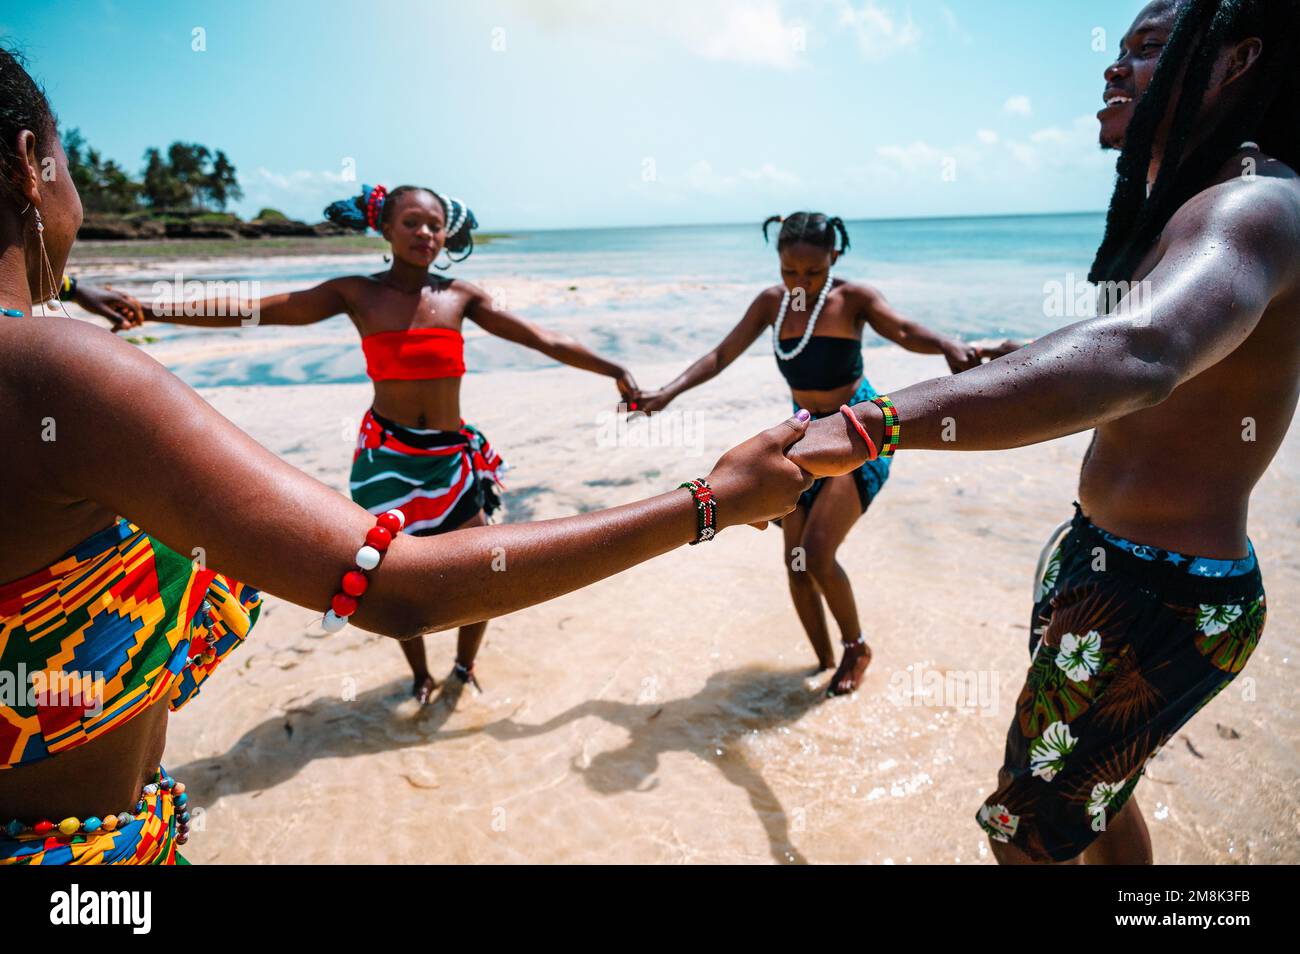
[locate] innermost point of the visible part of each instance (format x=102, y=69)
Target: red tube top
x=415, y=354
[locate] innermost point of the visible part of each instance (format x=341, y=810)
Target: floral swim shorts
x=1126, y=644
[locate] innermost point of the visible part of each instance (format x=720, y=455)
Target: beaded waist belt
x=149, y=835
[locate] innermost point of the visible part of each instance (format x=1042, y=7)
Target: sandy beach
x=667, y=714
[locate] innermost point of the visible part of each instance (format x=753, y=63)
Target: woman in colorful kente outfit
x=414, y=452
x=820, y=356
x=123, y=486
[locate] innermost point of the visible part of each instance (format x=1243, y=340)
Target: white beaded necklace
x=807, y=332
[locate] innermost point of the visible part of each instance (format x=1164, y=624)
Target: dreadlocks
x=1268, y=113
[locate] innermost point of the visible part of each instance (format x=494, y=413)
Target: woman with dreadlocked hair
x=1150, y=600
x=820, y=356
x=415, y=454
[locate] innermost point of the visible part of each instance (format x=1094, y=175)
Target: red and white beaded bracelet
x=706, y=509
x=355, y=582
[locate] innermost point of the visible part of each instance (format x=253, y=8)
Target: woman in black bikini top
x=817, y=327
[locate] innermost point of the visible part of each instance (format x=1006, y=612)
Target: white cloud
x=768, y=173
x=1071, y=150
x=749, y=33
x=767, y=178
x=879, y=34
x=915, y=156
x=1073, y=147
x=303, y=180
x=1024, y=154
x=741, y=31
x=1018, y=106
x=302, y=193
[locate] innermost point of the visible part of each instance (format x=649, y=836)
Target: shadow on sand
x=709, y=724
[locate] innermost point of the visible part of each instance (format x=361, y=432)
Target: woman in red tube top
x=414, y=453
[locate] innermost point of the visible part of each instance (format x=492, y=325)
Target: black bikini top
x=825, y=364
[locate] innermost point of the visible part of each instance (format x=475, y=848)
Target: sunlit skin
x=408, y=296
x=1169, y=383
x=816, y=534
x=105, y=301
x=134, y=440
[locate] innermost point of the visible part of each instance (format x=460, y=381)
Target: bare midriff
x=426, y=405
x=99, y=777
x=1179, y=475
x=825, y=402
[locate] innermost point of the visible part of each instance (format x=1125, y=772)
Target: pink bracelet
x=847, y=411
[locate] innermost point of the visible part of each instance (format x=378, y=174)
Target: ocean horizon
x=656, y=294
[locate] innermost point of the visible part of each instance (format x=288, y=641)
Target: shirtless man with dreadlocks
x=1153, y=600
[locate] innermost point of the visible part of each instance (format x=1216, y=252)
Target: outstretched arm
x=499, y=322
x=1223, y=259
x=913, y=336
x=733, y=346
x=228, y=309
x=122, y=310
x=135, y=440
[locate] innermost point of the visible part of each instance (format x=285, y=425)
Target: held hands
x=641, y=402
x=960, y=356
x=123, y=310
x=993, y=352
x=628, y=392
x=653, y=402
x=832, y=447
x=755, y=482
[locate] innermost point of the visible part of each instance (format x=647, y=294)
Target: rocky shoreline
x=199, y=226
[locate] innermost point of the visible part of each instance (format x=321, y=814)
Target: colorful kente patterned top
x=119, y=623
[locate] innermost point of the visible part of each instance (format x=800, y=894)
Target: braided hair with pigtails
x=811, y=228
x=1267, y=113
x=370, y=209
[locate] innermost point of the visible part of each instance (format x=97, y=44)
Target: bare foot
x=857, y=657
x=822, y=666
x=466, y=674
x=423, y=688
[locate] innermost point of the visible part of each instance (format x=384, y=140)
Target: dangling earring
x=47, y=272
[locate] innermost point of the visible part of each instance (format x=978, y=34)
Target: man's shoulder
x=1252, y=211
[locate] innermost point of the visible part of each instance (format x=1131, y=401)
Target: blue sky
x=573, y=113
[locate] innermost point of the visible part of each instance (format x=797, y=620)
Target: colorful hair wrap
x=375, y=206
x=359, y=212
x=366, y=210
